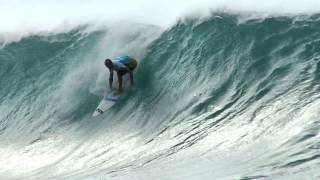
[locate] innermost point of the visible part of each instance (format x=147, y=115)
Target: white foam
x=21, y=18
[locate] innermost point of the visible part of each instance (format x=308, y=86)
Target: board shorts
x=132, y=65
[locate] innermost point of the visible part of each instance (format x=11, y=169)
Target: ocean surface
x=221, y=97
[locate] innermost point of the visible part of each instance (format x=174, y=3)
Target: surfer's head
x=108, y=63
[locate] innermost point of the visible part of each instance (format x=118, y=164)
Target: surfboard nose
x=106, y=103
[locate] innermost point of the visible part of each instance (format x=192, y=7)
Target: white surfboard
x=107, y=102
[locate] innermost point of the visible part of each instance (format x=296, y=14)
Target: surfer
x=121, y=65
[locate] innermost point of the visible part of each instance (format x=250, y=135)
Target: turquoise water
x=213, y=99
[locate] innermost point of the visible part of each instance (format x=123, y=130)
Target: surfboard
x=106, y=103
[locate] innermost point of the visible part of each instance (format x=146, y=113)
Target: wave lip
x=20, y=19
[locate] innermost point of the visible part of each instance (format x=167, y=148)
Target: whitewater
x=223, y=90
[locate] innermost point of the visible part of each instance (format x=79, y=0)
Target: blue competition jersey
x=123, y=59
x=119, y=63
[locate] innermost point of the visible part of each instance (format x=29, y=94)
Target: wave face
x=213, y=99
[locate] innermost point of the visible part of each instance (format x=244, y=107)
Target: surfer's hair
x=108, y=63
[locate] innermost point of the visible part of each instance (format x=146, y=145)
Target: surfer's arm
x=131, y=77
x=120, y=82
x=111, y=79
